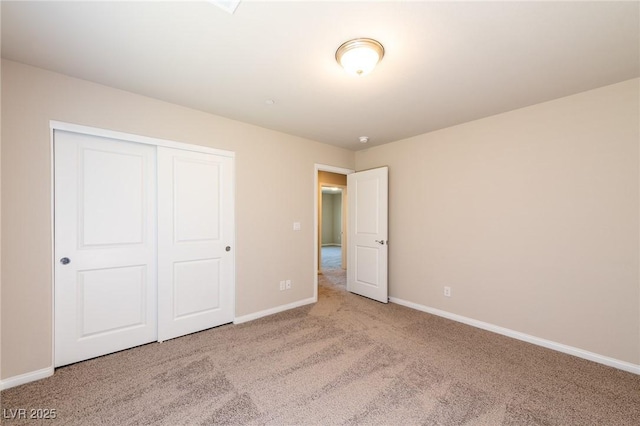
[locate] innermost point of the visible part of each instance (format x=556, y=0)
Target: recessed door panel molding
x=194, y=208
x=104, y=246
x=199, y=277
x=195, y=242
x=100, y=291
x=367, y=208
x=111, y=206
x=368, y=243
x=367, y=265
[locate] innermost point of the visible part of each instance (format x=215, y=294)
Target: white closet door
x=105, y=246
x=195, y=241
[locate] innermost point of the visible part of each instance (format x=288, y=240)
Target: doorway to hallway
x=330, y=271
x=331, y=267
x=365, y=229
x=331, y=257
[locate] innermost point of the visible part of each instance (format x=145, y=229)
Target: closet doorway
x=143, y=237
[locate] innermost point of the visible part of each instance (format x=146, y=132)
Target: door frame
x=321, y=168
x=126, y=137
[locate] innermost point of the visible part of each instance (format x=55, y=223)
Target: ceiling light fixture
x=359, y=56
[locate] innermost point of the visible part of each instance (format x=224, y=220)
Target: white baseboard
x=580, y=353
x=21, y=379
x=277, y=309
x=46, y=372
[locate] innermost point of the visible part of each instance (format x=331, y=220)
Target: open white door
x=105, y=246
x=195, y=242
x=368, y=239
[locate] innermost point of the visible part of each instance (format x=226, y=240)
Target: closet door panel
x=105, y=246
x=195, y=241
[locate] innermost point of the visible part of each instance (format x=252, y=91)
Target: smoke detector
x=364, y=139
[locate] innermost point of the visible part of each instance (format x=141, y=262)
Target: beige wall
x=0, y=201
x=337, y=218
x=331, y=218
x=31, y=97
x=530, y=216
x=327, y=219
x=0, y=205
x=328, y=178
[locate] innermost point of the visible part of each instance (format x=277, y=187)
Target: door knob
x=381, y=242
x=65, y=260
x=227, y=248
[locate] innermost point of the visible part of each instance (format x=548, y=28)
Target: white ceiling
x=446, y=62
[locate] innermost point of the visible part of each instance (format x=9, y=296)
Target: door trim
x=126, y=137
x=130, y=137
x=320, y=168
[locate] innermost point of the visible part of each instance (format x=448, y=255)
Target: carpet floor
x=332, y=259
x=345, y=360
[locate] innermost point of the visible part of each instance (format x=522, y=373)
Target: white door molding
x=129, y=137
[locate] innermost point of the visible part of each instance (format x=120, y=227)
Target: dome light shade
x=359, y=56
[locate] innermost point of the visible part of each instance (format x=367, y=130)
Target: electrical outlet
x=447, y=291
x=282, y=284
x=288, y=284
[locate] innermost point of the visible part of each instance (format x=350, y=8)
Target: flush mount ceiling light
x=359, y=56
